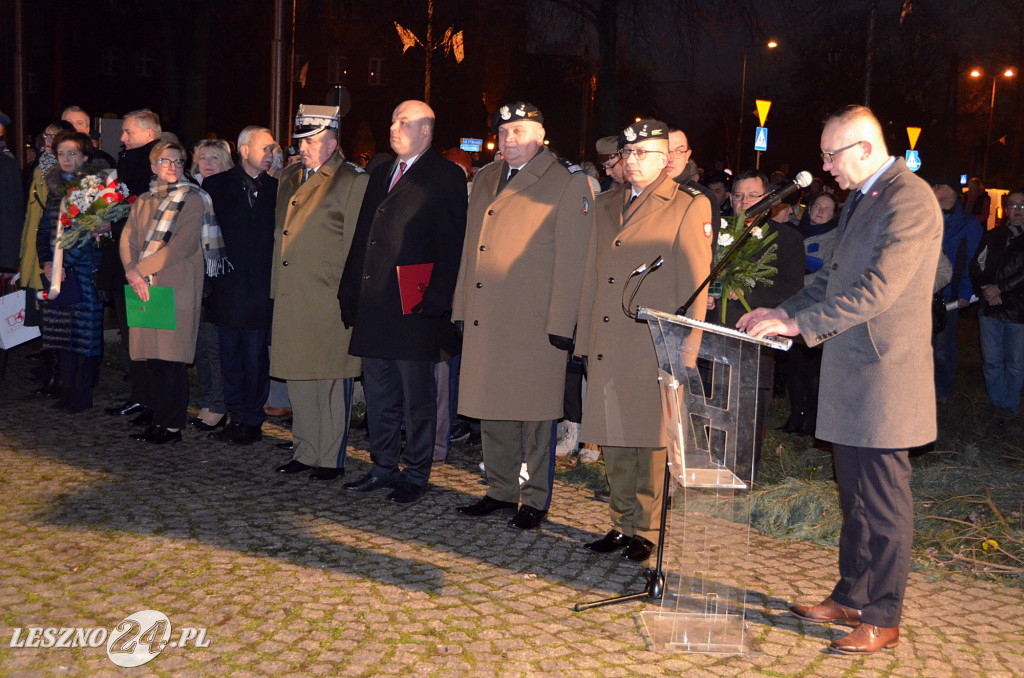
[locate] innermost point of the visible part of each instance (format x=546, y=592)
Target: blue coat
x=960, y=237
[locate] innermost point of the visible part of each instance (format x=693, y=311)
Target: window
x=376, y=68
x=144, y=63
x=337, y=70
x=107, y=61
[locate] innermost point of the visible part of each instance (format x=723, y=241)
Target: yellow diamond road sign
x=913, y=133
x=762, y=110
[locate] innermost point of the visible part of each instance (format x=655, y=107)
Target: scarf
x=172, y=197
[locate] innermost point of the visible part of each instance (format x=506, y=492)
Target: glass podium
x=708, y=377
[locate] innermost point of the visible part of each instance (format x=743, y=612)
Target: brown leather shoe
x=868, y=639
x=277, y=411
x=826, y=611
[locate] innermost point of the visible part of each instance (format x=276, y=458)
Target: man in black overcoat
x=244, y=200
x=414, y=213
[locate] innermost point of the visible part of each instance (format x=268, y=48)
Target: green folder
x=157, y=313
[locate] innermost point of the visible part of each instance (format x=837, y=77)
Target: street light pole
x=771, y=44
x=977, y=73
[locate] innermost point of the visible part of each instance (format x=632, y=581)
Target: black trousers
x=398, y=390
x=878, y=531
x=77, y=375
x=137, y=370
x=167, y=392
x=245, y=373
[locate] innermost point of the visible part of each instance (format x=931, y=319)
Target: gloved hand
x=561, y=343
x=429, y=310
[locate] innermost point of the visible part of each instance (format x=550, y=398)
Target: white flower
x=724, y=239
x=756, y=232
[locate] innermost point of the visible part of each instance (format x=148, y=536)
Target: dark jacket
x=1000, y=261
x=241, y=297
x=422, y=220
x=12, y=213
x=961, y=234
x=135, y=171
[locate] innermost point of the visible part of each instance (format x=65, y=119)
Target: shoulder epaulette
x=356, y=167
x=570, y=165
x=694, y=192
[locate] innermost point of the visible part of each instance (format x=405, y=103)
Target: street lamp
x=977, y=73
x=771, y=44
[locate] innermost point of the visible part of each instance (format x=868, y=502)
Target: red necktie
x=398, y=175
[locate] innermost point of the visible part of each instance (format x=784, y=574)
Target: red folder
x=412, y=283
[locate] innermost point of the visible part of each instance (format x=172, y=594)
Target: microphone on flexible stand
x=802, y=180
x=643, y=270
x=755, y=216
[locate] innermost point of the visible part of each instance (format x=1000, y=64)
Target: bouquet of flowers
x=92, y=201
x=750, y=266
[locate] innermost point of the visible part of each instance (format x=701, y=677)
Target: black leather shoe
x=126, y=410
x=225, y=434
x=486, y=506
x=143, y=418
x=324, y=473
x=368, y=483
x=290, y=446
x=528, y=518
x=200, y=425
x=141, y=437
x=247, y=435
x=613, y=541
x=294, y=466
x=161, y=436
x=638, y=549
x=407, y=493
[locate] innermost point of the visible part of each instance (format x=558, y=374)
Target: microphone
x=802, y=180
x=643, y=270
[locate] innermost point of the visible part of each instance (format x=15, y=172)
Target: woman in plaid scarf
x=170, y=239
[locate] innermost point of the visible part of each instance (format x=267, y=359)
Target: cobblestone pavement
x=293, y=578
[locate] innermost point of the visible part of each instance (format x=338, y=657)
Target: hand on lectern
x=762, y=322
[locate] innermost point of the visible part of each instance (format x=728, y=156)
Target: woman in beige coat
x=163, y=244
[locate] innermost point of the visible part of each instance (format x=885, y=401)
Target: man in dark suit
x=872, y=309
x=140, y=132
x=244, y=200
x=413, y=215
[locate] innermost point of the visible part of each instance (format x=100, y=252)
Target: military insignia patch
x=505, y=113
x=630, y=134
x=707, y=230
x=586, y=206
x=521, y=111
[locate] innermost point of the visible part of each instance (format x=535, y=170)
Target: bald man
x=410, y=228
x=871, y=310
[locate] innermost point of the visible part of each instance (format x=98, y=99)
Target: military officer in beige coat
x=518, y=295
x=318, y=204
x=650, y=216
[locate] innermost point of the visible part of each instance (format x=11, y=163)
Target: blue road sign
x=913, y=161
x=761, y=139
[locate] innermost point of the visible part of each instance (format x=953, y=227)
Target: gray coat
x=871, y=306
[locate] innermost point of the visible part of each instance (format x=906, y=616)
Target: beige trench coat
x=316, y=220
x=522, y=265
x=623, y=405
x=178, y=264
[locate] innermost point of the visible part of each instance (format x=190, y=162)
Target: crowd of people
x=476, y=298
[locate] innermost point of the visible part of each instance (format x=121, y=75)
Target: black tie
x=512, y=173
x=853, y=205
x=633, y=198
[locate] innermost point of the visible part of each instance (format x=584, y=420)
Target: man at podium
x=648, y=217
x=871, y=310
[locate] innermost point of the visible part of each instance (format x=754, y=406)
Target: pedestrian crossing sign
x=761, y=139
x=913, y=161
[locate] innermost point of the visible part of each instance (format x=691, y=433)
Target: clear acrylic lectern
x=708, y=377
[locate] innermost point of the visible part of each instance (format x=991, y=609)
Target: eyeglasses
x=679, y=151
x=1015, y=206
x=749, y=196
x=829, y=156
x=640, y=153
x=611, y=162
x=166, y=162
x=67, y=154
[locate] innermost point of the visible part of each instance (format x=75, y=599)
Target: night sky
x=205, y=67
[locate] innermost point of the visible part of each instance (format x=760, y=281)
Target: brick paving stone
x=292, y=578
